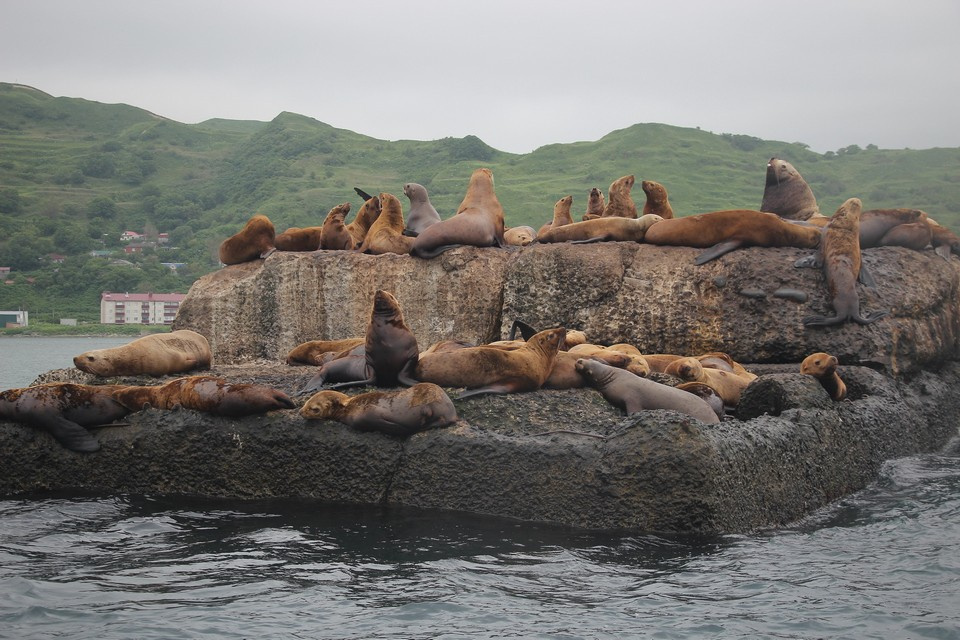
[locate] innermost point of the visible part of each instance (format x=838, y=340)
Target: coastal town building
x=9, y=319
x=139, y=308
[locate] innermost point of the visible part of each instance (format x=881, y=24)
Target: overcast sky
x=829, y=73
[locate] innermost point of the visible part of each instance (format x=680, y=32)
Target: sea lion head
x=687, y=368
x=819, y=364
x=95, y=362
x=416, y=192
x=519, y=236
x=848, y=215
x=322, y=404
x=654, y=190
x=390, y=206
x=385, y=304
x=549, y=340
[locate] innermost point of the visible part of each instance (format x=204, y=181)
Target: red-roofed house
x=139, y=308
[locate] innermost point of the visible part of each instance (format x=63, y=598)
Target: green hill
x=75, y=174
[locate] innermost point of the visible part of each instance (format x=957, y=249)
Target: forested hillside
x=76, y=174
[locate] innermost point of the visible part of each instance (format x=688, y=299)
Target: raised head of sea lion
x=634, y=394
x=386, y=233
x=595, y=205
x=786, y=193
x=620, y=203
x=208, y=394
x=519, y=236
x=658, y=203
x=366, y=216
x=561, y=214
x=478, y=221
x=422, y=213
x=823, y=367
x=603, y=229
x=157, y=354
x=400, y=412
x=334, y=235
x=63, y=410
x=254, y=241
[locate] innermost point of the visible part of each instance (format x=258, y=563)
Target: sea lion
x=658, y=203
x=478, y=221
x=786, y=193
x=298, y=239
x=207, y=394
x=604, y=229
x=635, y=362
x=561, y=215
x=620, y=203
x=486, y=369
x=633, y=393
x=63, y=410
x=158, y=354
x=724, y=231
x=366, y=216
x=728, y=385
x=658, y=362
x=595, y=205
x=823, y=367
x=390, y=349
x=881, y=228
x=386, y=233
x=334, y=235
x=572, y=338
x=254, y=241
x=945, y=242
x=723, y=361
x=707, y=394
x=839, y=256
x=564, y=374
x=422, y=213
x=400, y=413
x=312, y=351
x=519, y=236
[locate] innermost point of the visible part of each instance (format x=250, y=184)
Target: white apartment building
x=139, y=308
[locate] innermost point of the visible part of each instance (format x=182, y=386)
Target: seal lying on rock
x=313, y=352
x=207, y=394
x=159, y=354
x=603, y=229
x=519, y=236
x=399, y=413
x=63, y=409
x=823, y=367
x=254, y=241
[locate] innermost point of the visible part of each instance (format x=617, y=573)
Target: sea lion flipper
x=872, y=317
x=492, y=388
x=943, y=251
x=363, y=194
x=70, y=434
x=866, y=278
x=405, y=376
x=812, y=260
x=526, y=331
x=410, y=233
x=587, y=240
x=717, y=250
x=353, y=383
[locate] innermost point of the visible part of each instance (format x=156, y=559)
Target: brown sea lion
x=386, y=233
x=63, y=410
x=620, y=203
x=207, y=394
x=786, y=193
x=882, y=228
x=312, y=351
x=158, y=354
x=945, y=242
x=486, y=369
x=728, y=385
x=561, y=215
x=823, y=367
x=658, y=362
x=564, y=374
x=519, y=236
x=390, y=349
x=595, y=205
x=366, y=216
x=400, y=413
x=723, y=361
x=572, y=338
x=478, y=221
x=707, y=394
x=604, y=229
x=839, y=256
x=633, y=393
x=658, y=203
x=635, y=363
x=422, y=213
x=334, y=235
x=254, y=241
x=724, y=231
x=298, y=239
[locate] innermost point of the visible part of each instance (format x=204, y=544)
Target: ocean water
x=882, y=563
x=22, y=359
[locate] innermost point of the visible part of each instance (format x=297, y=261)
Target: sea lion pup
x=724, y=231
x=422, y=213
x=390, y=349
x=595, y=205
x=478, y=221
x=823, y=367
x=398, y=413
x=876, y=226
x=519, y=236
x=207, y=394
x=728, y=385
x=312, y=351
x=605, y=229
x=561, y=215
x=366, y=216
x=657, y=201
x=786, y=193
x=63, y=410
x=158, y=354
x=334, y=235
x=254, y=241
x=620, y=203
x=386, y=233
x=486, y=369
x=633, y=393
x=839, y=257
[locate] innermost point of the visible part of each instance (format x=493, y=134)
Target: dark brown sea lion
x=519, y=236
x=823, y=367
x=478, y=221
x=254, y=241
x=839, y=256
x=619, y=201
x=487, y=369
x=707, y=394
x=312, y=351
x=595, y=205
x=422, y=213
x=786, y=193
x=207, y=394
x=400, y=413
x=633, y=393
x=158, y=354
x=728, y=385
x=298, y=239
x=366, y=216
x=63, y=410
x=876, y=226
x=561, y=214
x=604, y=229
x=334, y=235
x=386, y=233
x=724, y=231
x=658, y=203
